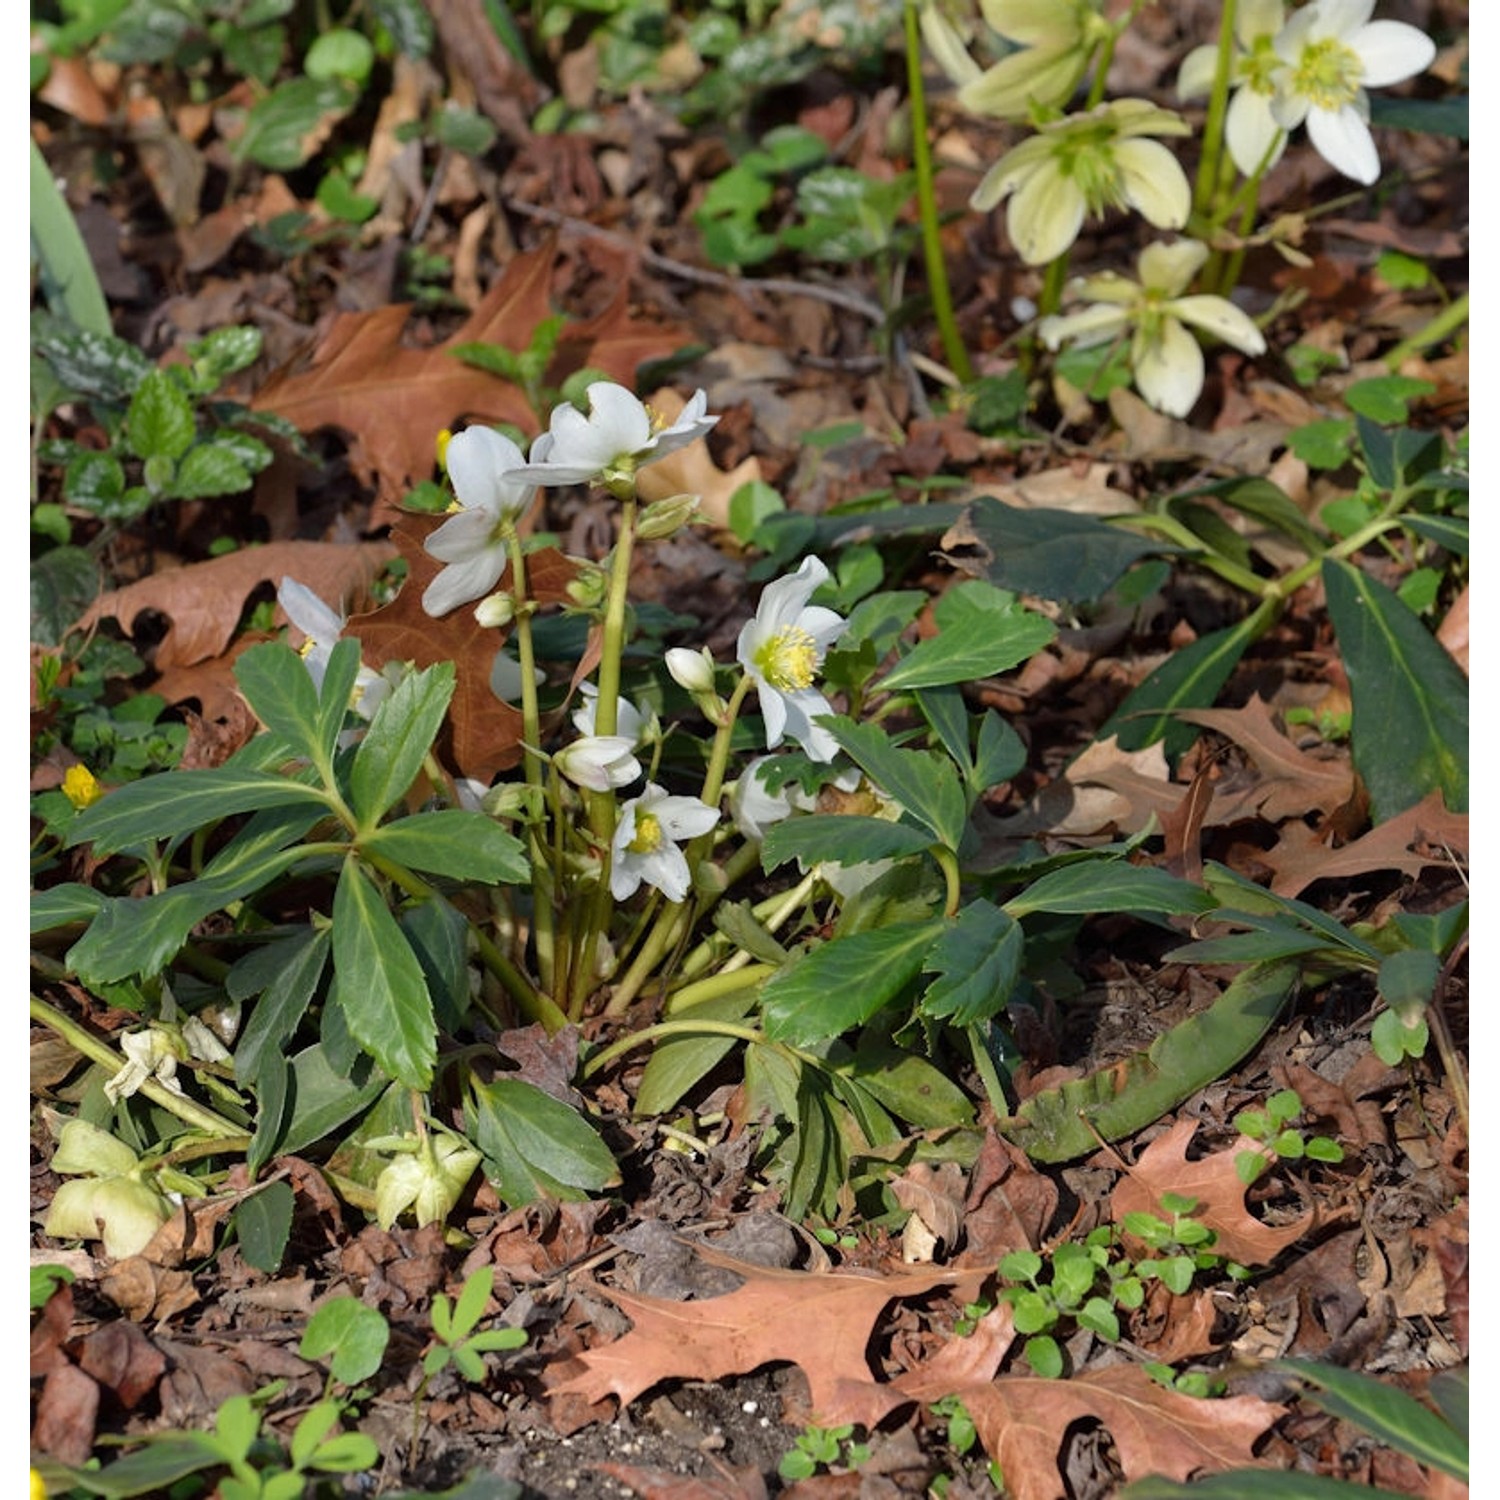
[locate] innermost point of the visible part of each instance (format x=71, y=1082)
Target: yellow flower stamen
x=648, y=834
x=1257, y=69
x=1328, y=74
x=80, y=787
x=788, y=660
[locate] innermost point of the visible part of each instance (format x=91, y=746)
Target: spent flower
x=474, y=541
x=618, y=434
x=1166, y=359
x=1086, y=164
x=1057, y=38
x=782, y=649
x=647, y=843
x=1332, y=53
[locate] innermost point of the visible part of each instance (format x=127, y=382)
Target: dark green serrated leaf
x=61, y=905
x=273, y=1100
x=977, y=961
x=285, y=128
x=385, y=993
x=64, y=582
x=1266, y=501
x=982, y=631
x=1451, y=532
x=849, y=839
x=263, y=1225
x=844, y=982
x=911, y=1087
x=322, y=1098
x=1052, y=554
x=285, y=976
x=926, y=785
x=535, y=1146
x=1410, y=731
x=1110, y=885
x=209, y=470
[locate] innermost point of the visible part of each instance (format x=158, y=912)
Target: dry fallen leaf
x=822, y=1323
x=1163, y=1167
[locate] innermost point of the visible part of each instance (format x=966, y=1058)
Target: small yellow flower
x=80, y=787
x=443, y=439
x=38, y=1486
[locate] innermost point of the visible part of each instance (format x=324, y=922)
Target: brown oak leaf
x=1164, y=1168
x=820, y=1322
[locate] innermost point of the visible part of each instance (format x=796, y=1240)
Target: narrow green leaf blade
x=391, y=1011
x=535, y=1146
x=982, y=631
x=263, y=1224
x=455, y=842
x=399, y=736
x=977, y=961
x=1411, y=703
x=278, y=687
x=925, y=784
x=850, y=839
x=1110, y=885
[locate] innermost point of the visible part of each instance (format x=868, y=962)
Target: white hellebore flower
x=782, y=648
x=473, y=542
x=630, y=723
x=1165, y=357
x=1057, y=38
x=323, y=628
x=1085, y=164
x=599, y=762
x=646, y=842
x=1333, y=51
x=618, y=435
x=1254, y=138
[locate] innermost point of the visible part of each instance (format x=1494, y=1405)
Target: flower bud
x=495, y=610
x=663, y=518
x=588, y=589
x=693, y=670
x=598, y=762
x=429, y=1180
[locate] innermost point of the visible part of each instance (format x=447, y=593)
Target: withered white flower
x=782, y=648
x=473, y=542
x=1085, y=164
x=646, y=843
x=1333, y=52
x=1165, y=358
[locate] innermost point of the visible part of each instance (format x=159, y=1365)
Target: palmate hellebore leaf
x=924, y=783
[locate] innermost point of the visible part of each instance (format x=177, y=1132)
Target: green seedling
x=454, y=1340
x=1274, y=1126
x=823, y=1448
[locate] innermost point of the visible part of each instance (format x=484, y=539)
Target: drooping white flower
x=1255, y=140
x=646, y=843
x=617, y=435
x=1333, y=51
x=599, y=762
x=1085, y=164
x=473, y=542
x=323, y=628
x=782, y=648
x=631, y=723
x=1057, y=39
x=1165, y=358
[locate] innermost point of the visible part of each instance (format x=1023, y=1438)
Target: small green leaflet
x=982, y=630
x=844, y=839
x=454, y=842
x=977, y=962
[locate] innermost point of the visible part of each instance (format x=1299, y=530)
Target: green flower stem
x=606, y=722
x=932, y=244
x=607, y=1055
x=772, y=914
x=948, y=863
x=1206, y=187
x=984, y=1065
x=718, y=759
x=673, y=923
x=84, y=1041
x=542, y=916
x=1053, y=281
x=1158, y=524
x=1444, y=325
x=722, y=983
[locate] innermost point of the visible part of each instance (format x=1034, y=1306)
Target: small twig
x=741, y=286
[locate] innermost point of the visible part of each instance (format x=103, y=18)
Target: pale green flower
x=1254, y=138
x=1056, y=40
x=108, y=1199
x=1333, y=51
x=1165, y=358
x=1086, y=164
x=427, y=1177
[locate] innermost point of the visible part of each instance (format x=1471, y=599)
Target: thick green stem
x=84, y=1041
x=932, y=244
x=1206, y=188
x=725, y=982
x=687, y=1027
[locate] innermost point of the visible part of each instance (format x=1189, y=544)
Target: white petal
x=1007, y=174
x=1251, y=131
x=1340, y=18
x=1391, y=51
x=1195, y=78
x=801, y=709
x=1154, y=183
x=618, y=417
x=1044, y=216
x=825, y=626
x=1223, y=319
x=1091, y=325
x=773, y=711
x=1034, y=23
x=1258, y=18
x=684, y=817
x=559, y=473
x=462, y=536
x=1296, y=34
x=666, y=868
x=1343, y=140
x=783, y=600
x=947, y=46
x=1289, y=110
x=477, y=458
x=1170, y=268
x=1169, y=371
x=463, y=582
x=309, y=613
